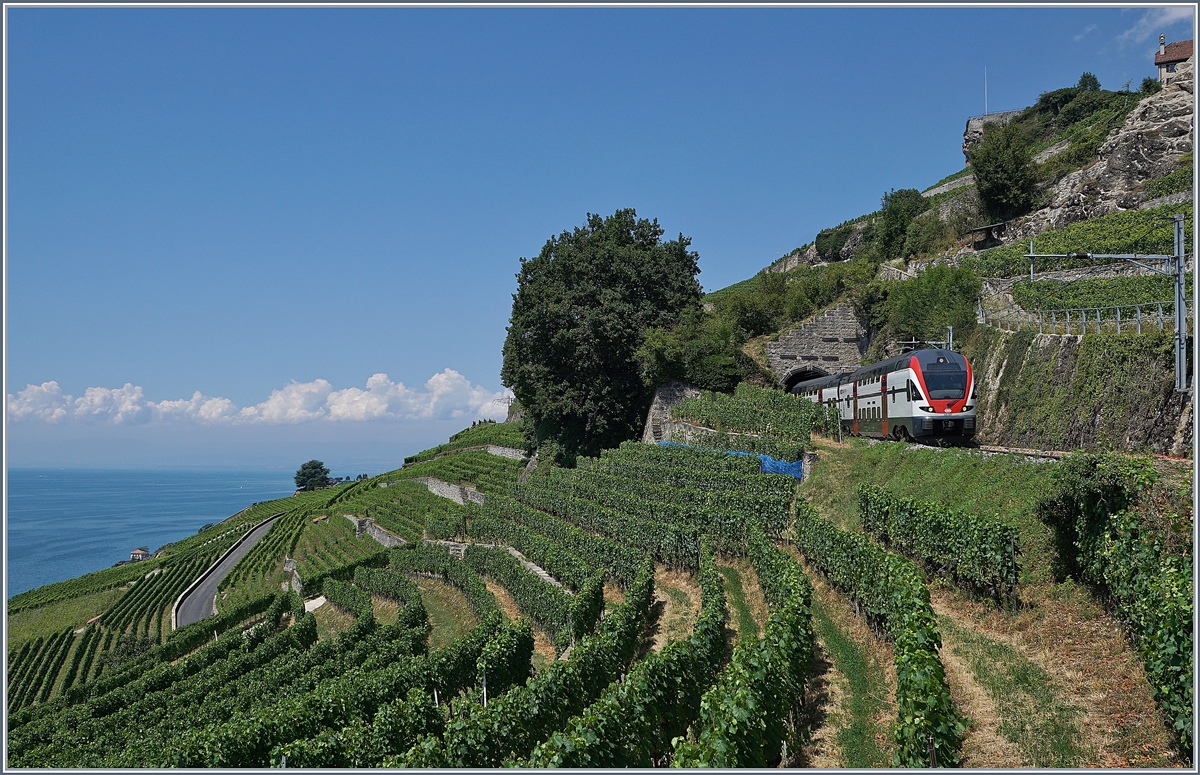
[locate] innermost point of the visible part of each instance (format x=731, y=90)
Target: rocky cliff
x=1149, y=145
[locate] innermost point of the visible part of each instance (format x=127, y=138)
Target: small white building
x=139, y=554
x=1169, y=55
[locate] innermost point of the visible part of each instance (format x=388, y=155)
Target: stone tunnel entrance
x=794, y=378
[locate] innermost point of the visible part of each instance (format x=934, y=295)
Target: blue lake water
x=64, y=523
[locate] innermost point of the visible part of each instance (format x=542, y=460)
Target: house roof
x=1175, y=52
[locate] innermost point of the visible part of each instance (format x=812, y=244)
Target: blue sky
x=257, y=236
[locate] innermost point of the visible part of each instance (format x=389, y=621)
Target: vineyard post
x=485, y=688
x=932, y=751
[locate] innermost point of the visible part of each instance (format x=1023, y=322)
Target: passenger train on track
x=926, y=394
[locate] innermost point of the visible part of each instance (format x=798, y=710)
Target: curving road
x=201, y=601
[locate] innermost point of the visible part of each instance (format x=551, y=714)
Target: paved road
x=199, y=602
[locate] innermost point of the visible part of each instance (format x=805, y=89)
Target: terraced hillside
x=654, y=606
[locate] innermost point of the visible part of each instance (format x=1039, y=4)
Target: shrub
x=1004, y=173
x=1105, y=543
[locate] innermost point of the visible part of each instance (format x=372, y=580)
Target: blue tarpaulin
x=769, y=464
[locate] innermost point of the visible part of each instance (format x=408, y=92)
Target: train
x=925, y=394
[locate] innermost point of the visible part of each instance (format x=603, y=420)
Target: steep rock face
x=789, y=262
x=1156, y=133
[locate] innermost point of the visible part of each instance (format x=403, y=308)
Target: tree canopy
x=581, y=311
x=1004, y=174
x=312, y=475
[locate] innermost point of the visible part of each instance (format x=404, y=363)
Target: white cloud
x=446, y=395
x=200, y=408
x=116, y=405
x=39, y=402
x=1153, y=22
x=293, y=403
x=1087, y=31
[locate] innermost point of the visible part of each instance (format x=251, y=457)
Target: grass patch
x=331, y=621
x=55, y=617
x=1032, y=713
x=743, y=619
x=386, y=611
x=449, y=612
x=1005, y=485
x=859, y=727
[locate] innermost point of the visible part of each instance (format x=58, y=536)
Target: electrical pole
x=1178, y=263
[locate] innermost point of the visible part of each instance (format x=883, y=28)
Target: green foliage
x=620, y=562
x=1003, y=165
x=1150, y=86
x=921, y=308
x=974, y=549
x=509, y=727
x=1179, y=180
x=1101, y=292
x=1066, y=393
x=436, y=561
x=674, y=545
x=724, y=514
x=581, y=311
x=546, y=604
x=1088, y=82
x=751, y=410
x=396, y=587
x=1107, y=544
x=829, y=243
x=892, y=593
x=635, y=720
x=312, y=475
x=561, y=563
x=704, y=348
x=1128, y=231
x=347, y=597
x=501, y=434
x=925, y=234
x=744, y=718
x=898, y=209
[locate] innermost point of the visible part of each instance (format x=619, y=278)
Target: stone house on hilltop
x=1170, y=55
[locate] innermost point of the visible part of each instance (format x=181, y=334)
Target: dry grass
x=852, y=722
x=982, y=745
x=450, y=615
x=744, y=579
x=386, y=611
x=543, y=648
x=1068, y=635
x=613, y=595
x=677, y=605
x=331, y=621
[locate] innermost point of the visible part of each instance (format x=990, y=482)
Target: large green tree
x=312, y=475
x=1004, y=174
x=580, y=313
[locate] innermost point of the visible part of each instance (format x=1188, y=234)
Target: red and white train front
x=922, y=394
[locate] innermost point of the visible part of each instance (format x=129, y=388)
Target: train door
x=883, y=405
x=854, y=406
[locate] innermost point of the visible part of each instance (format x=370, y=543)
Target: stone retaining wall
x=455, y=492
x=665, y=397
x=508, y=452
x=832, y=342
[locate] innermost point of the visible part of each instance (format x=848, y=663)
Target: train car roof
x=924, y=357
